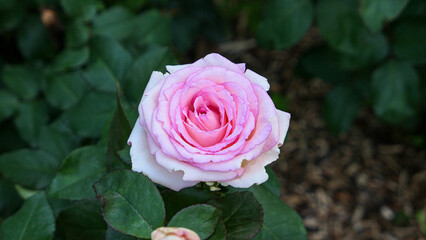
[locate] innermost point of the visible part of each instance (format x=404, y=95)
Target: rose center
x=205, y=115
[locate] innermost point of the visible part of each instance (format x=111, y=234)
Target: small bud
x=210, y=183
x=166, y=233
x=224, y=184
x=213, y=188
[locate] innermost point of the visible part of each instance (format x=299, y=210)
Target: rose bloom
x=173, y=233
x=211, y=120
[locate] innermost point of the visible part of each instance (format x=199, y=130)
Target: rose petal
x=143, y=161
x=191, y=173
x=283, y=123
x=255, y=172
x=216, y=60
x=175, y=68
x=256, y=78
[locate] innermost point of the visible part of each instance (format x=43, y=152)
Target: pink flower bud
x=174, y=233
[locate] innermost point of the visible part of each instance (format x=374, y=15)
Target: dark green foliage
x=80, y=170
x=83, y=220
x=284, y=23
x=241, y=214
x=29, y=168
x=370, y=53
x=34, y=221
x=131, y=203
x=206, y=219
x=396, y=93
x=280, y=221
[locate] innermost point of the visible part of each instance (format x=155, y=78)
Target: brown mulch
x=367, y=183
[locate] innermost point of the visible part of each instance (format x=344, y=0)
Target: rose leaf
x=280, y=221
x=80, y=170
x=32, y=169
x=33, y=221
x=83, y=220
x=131, y=203
x=241, y=213
x=201, y=218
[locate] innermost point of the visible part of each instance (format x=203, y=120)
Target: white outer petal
x=143, y=161
x=156, y=78
x=255, y=172
x=175, y=68
x=258, y=79
x=283, y=123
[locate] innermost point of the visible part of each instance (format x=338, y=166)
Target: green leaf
x=30, y=168
x=323, y=63
x=284, y=23
x=83, y=220
x=116, y=22
x=124, y=155
x=119, y=132
x=31, y=117
x=21, y=80
x=219, y=232
x=77, y=34
x=408, y=40
x=85, y=9
x=56, y=142
x=58, y=205
x=396, y=93
x=273, y=185
x=206, y=219
x=99, y=75
x=9, y=138
x=152, y=28
x=344, y=31
x=80, y=170
x=175, y=201
x=341, y=107
x=154, y=59
x=12, y=13
x=34, y=221
x=8, y=104
x=65, y=90
x=133, y=5
x=280, y=221
x=10, y=200
x=414, y=9
x=33, y=39
x=113, y=55
x=241, y=213
x=131, y=203
x=376, y=13
x=24, y=192
x=89, y=116
x=70, y=59
x=112, y=234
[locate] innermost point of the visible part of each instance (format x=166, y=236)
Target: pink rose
x=173, y=233
x=207, y=121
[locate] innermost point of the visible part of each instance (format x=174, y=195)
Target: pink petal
x=257, y=79
x=143, y=161
x=216, y=60
x=192, y=173
x=242, y=66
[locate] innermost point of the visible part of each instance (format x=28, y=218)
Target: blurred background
x=351, y=72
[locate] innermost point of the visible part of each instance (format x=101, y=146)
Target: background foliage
x=73, y=72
